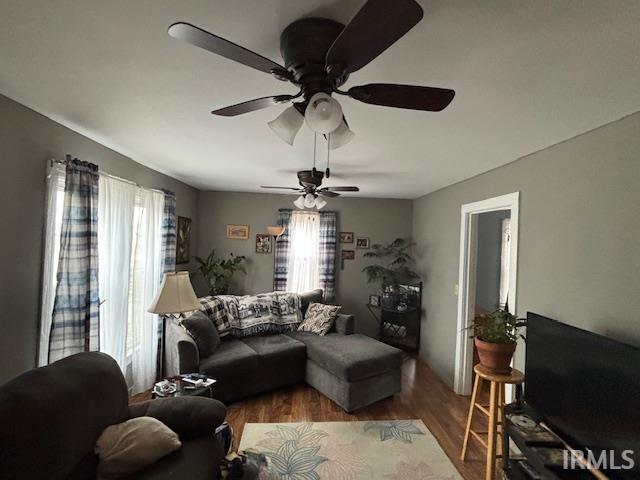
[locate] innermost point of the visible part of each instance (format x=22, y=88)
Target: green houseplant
x=394, y=269
x=495, y=336
x=217, y=271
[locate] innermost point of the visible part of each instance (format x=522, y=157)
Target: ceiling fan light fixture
x=323, y=114
x=299, y=202
x=287, y=124
x=340, y=136
x=309, y=200
x=320, y=203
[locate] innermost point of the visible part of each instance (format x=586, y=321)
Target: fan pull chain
x=315, y=149
x=328, y=171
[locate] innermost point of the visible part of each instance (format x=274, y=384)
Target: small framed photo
x=362, y=242
x=348, y=254
x=263, y=243
x=238, y=232
x=374, y=300
x=346, y=237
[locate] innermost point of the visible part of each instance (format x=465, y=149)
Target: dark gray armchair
x=52, y=416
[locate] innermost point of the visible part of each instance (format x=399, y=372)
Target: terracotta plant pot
x=495, y=356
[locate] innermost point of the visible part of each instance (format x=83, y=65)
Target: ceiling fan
x=310, y=192
x=319, y=55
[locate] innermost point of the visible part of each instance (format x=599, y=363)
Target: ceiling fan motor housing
x=309, y=179
x=304, y=45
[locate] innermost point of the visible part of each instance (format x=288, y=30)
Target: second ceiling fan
x=319, y=55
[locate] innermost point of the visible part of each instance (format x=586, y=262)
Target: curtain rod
x=69, y=158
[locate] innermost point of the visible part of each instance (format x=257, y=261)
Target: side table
x=184, y=388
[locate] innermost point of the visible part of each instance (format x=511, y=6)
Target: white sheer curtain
x=146, y=268
x=116, y=206
x=53, y=227
x=304, y=236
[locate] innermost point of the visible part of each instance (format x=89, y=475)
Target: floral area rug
x=384, y=450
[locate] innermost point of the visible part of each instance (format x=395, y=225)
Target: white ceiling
x=528, y=74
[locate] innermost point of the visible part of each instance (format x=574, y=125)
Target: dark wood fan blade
x=377, y=26
x=252, y=105
x=218, y=45
x=342, y=189
x=403, y=96
x=327, y=193
x=284, y=188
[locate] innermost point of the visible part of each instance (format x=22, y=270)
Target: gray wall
x=579, y=243
x=27, y=140
x=489, y=259
x=382, y=220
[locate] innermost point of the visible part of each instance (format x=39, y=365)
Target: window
x=303, y=270
x=130, y=265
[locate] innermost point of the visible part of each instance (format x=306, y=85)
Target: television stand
x=542, y=452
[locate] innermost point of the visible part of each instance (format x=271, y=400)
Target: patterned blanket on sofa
x=243, y=316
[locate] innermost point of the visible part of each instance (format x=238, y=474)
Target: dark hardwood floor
x=423, y=396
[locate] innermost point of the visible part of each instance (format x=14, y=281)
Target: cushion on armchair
x=128, y=447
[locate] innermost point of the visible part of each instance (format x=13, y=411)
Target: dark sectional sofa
x=351, y=369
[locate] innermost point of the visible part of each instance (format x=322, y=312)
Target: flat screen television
x=586, y=387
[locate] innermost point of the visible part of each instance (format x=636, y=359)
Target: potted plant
x=395, y=271
x=218, y=272
x=495, y=336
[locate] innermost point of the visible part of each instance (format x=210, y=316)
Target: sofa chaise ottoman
x=352, y=370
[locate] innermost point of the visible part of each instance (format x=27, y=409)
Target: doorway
x=488, y=271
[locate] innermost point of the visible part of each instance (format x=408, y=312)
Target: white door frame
x=466, y=281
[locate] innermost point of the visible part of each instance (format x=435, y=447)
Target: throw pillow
x=216, y=309
x=319, y=318
x=203, y=332
x=128, y=447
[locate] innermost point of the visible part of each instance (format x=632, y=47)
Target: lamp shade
x=275, y=231
x=176, y=295
x=320, y=203
x=323, y=114
x=287, y=124
x=299, y=202
x=340, y=136
x=309, y=200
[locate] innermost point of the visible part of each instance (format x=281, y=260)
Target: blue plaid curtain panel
x=168, y=253
x=282, y=250
x=76, y=310
x=169, y=237
x=327, y=254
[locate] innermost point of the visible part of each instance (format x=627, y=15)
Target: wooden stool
x=495, y=412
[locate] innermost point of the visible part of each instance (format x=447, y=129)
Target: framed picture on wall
x=238, y=232
x=346, y=237
x=348, y=254
x=183, y=240
x=263, y=243
x=362, y=242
